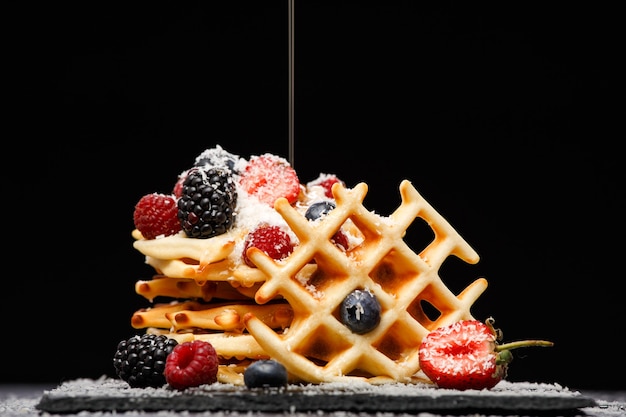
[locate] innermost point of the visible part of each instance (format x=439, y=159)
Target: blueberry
x=265, y=373
x=217, y=157
x=320, y=209
x=360, y=311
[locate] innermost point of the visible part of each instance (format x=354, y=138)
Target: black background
x=503, y=115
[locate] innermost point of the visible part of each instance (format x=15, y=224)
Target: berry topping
x=178, y=187
x=217, y=158
x=341, y=239
x=140, y=360
x=272, y=240
x=360, y=311
x=466, y=355
x=325, y=181
x=320, y=209
x=269, y=177
x=191, y=364
x=265, y=373
x=206, y=206
x=156, y=215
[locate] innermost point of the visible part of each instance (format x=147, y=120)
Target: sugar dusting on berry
x=155, y=216
x=249, y=213
x=461, y=356
x=273, y=240
x=269, y=177
x=191, y=364
x=326, y=182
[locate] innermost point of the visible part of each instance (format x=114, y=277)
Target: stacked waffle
x=289, y=309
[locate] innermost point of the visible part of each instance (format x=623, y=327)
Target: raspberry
x=156, y=215
x=340, y=239
x=325, y=181
x=269, y=177
x=178, y=187
x=191, y=364
x=207, y=203
x=272, y=240
x=140, y=360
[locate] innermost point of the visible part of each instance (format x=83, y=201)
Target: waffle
x=318, y=347
x=288, y=310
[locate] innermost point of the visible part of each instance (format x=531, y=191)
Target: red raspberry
x=340, y=239
x=326, y=181
x=269, y=177
x=178, y=187
x=272, y=240
x=156, y=215
x=191, y=364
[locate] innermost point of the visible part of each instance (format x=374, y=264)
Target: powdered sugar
x=252, y=210
x=110, y=387
x=343, y=399
x=249, y=213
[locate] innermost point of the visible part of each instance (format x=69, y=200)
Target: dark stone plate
x=108, y=394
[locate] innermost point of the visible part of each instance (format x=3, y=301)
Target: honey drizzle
x=291, y=82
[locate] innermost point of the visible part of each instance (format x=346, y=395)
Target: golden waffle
x=288, y=309
x=317, y=347
x=226, y=317
x=199, y=259
x=162, y=286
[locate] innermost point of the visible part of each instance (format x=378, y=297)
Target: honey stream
x=290, y=12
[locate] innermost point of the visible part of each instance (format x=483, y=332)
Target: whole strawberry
x=466, y=355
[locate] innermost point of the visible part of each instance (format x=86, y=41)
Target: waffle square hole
x=424, y=312
x=398, y=343
x=321, y=345
x=393, y=272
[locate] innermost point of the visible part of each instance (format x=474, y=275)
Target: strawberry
x=156, y=215
x=191, y=364
x=466, y=355
x=269, y=177
x=272, y=240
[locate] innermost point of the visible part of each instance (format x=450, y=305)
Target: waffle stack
x=288, y=309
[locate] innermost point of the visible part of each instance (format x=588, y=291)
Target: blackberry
x=140, y=360
x=207, y=204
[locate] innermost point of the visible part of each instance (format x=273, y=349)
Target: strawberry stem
x=523, y=343
x=503, y=352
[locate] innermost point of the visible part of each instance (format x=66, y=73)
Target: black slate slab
x=114, y=395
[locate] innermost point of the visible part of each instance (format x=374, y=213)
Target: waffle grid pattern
x=317, y=347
